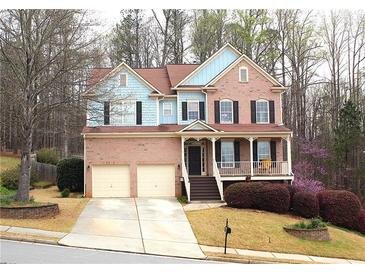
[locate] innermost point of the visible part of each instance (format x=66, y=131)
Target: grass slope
x=70, y=209
x=7, y=162
x=259, y=230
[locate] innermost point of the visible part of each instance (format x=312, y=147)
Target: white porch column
x=213, y=149
x=182, y=151
x=251, y=154
x=288, y=142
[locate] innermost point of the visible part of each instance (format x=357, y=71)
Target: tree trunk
x=24, y=180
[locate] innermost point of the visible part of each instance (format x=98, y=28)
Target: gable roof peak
x=201, y=66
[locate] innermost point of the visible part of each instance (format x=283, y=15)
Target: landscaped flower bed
x=315, y=230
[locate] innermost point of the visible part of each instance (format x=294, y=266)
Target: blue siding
x=213, y=68
x=136, y=90
x=186, y=96
x=168, y=119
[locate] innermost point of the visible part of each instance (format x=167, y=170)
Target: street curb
x=38, y=241
x=242, y=261
x=139, y=253
x=246, y=260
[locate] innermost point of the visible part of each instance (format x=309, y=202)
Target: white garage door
x=156, y=180
x=110, y=181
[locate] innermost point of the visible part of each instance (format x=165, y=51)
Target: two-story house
x=184, y=129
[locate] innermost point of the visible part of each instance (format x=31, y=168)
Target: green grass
x=182, y=199
x=7, y=162
x=260, y=230
x=42, y=184
x=6, y=195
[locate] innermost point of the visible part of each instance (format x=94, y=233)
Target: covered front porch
x=235, y=156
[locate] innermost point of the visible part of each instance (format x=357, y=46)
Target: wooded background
x=319, y=55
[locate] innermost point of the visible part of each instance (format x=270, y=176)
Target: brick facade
x=132, y=152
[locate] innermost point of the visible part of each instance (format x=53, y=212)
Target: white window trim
x=227, y=164
x=220, y=111
x=187, y=109
x=268, y=111
x=126, y=80
x=164, y=104
x=134, y=102
x=258, y=150
x=239, y=74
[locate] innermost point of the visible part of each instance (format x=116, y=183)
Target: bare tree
x=38, y=47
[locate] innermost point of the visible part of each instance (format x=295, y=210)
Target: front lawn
x=70, y=209
x=7, y=162
x=259, y=230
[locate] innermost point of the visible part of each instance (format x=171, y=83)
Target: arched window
x=262, y=111
x=226, y=111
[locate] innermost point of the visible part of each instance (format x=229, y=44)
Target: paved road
x=27, y=253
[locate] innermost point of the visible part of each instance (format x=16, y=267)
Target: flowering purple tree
x=309, y=169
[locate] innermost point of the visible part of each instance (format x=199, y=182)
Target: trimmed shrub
x=274, y=197
x=47, y=156
x=65, y=193
x=70, y=174
x=241, y=195
x=292, y=190
x=305, y=204
x=340, y=207
x=314, y=223
x=360, y=226
x=265, y=196
x=9, y=178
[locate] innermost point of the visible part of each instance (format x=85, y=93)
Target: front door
x=194, y=155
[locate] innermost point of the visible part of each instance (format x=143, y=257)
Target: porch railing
x=217, y=177
x=259, y=168
x=186, y=180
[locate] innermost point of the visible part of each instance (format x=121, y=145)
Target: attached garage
x=156, y=180
x=110, y=181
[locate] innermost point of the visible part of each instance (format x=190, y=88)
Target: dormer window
x=243, y=75
x=123, y=80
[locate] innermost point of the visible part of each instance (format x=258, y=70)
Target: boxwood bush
x=305, y=204
x=70, y=174
x=9, y=178
x=265, y=196
x=339, y=207
x=47, y=156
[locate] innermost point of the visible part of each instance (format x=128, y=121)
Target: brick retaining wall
x=35, y=212
x=319, y=234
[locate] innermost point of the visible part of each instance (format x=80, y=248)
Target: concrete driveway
x=143, y=225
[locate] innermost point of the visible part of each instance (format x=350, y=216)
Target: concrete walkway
x=281, y=256
x=141, y=225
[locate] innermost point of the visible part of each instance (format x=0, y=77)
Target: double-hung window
x=193, y=110
x=123, y=80
x=226, y=112
x=263, y=150
x=227, y=154
x=128, y=112
x=262, y=111
x=167, y=109
x=243, y=74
